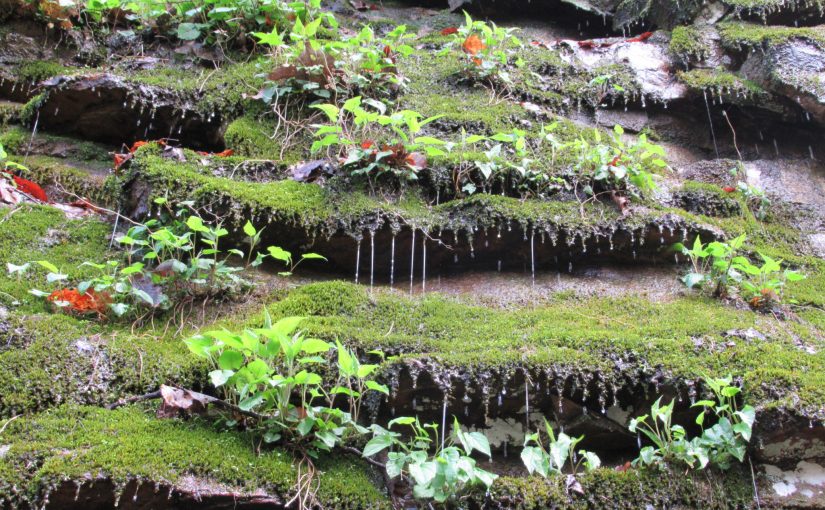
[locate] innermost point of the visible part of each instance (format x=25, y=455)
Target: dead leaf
x=416, y=161
x=177, y=402
x=310, y=171
x=573, y=485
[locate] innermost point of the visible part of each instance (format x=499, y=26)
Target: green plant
x=757, y=200
x=329, y=70
x=763, y=285
x=486, y=50
x=717, y=445
x=7, y=165
x=559, y=452
x=388, y=144
x=617, y=167
x=717, y=268
x=440, y=476
x=170, y=262
x=274, y=372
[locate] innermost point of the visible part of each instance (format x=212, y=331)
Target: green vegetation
x=718, y=445
x=750, y=35
x=720, y=82
x=559, y=452
x=76, y=443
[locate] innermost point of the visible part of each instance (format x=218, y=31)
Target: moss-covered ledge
x=631, y=489
x=614, y=343
x=128, y=446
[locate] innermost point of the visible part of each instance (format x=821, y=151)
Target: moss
x=43, y=233
x=251, y=137
x=721, y=82
x=13, y=139
x=84, y=444
x=577, y=333
x=223, y=90
x=9, y=112
x=605, y=488
x=87, y=181
x=39, y=70
x=750, y=35
x=689, y=42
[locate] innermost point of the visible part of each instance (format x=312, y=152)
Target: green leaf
x=278, y=253
x=249, y=230
x=312, y=256
x=189, y=31
x=49, y=266
x=314, y=346
x=219, y=377
x=195, y=224
x=374, y=386
x=230, y=360
x=377, y=444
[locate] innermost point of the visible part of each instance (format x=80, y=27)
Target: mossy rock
x=86, y=445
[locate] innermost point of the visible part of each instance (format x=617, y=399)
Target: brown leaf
x=573, y=485
x=177, y=402
x=416, y=161
x=473, y=44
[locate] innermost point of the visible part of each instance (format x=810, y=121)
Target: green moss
x=738, y=35
x=689, y=42
x=39, y=70
x=583, y=334
x=251, y=137
x=607, y=488
x=43, y=233
x=720, y=82
x=221, y=90
x=85, y=181
x=84, y=444
x=9, y=113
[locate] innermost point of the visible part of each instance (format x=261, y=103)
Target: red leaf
x=224, y=154
x=449, y=31
x=120, y=159
x=473, y=45
x=136, y=146
x=30, y=188
x=641, y=37
x=367, y=144
x=728, y=189
x=88, y=302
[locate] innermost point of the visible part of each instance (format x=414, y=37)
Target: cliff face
x=515, y=264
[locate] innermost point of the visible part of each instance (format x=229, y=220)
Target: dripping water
x=357, y=259
x=424, y=263
x=392, y=261
x=372, y=256
x=710, y=123
x=412, y=261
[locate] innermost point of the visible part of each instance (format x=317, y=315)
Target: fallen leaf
x=449, y=31
x=82, y=304
x=310, y=171
x=30, y=188
x=177, y=402
x=641, y=37
x=624, y=467
x=573, y=485
x=120, y=159
x=728, y=189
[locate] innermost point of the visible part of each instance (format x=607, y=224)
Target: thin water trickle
x=372, y=257
x=443, y=421
x=412, y=262
x=357, y=259
x=776, y=147
x=424, y=263
x=710, y=123
x=31, y=140
x=392, y=261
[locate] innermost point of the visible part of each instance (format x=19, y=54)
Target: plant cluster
x=170, y=262
x=328, y=69
x=440, y=475
x=225, y=22
x=558, y=453
x=277, y=373
x=717, y=268
x=717, y=445
x=376, y=145
x=617, y=167
x=487, y=49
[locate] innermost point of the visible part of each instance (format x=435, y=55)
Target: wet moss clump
x=721, y=82
x=689, y=43
x=751, y=35
x=85, y=444
x=607, y=488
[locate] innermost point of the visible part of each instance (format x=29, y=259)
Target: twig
x=134, y=399
x=8, y=422
x=358, y=453
x=725, y=115
x=753, y=479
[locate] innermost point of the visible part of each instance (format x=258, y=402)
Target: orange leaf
x=449, y=31
x=473, y=45
x=367, y=144
x=225, y=154
x=120, y=159
x=137, y=145
x=416, y=161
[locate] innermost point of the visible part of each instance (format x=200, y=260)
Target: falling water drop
x=776, y=147
x=499, y=265
x=443, y=420
x=533, y=255
x=811, y=152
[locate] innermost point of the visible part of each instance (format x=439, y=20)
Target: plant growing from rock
x=486, y=49
x=375, y=145
x=616, y=168
x=718, y=269
x=718, y=445
x=440, y=476
x=168, y=265
x=274, y=372
x=559, y=452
